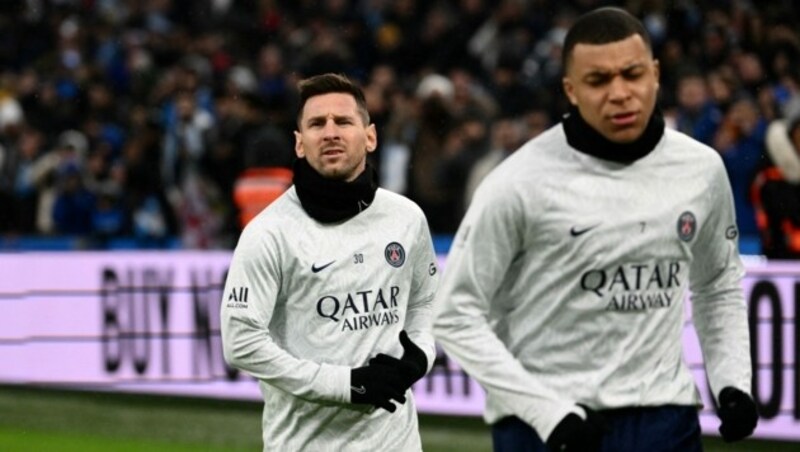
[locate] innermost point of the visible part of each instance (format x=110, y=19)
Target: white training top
x=567, y=277
x=305, y=302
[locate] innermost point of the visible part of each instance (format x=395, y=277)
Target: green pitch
x=63, y=421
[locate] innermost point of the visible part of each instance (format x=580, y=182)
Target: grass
x=64, y=421
x=48, y=420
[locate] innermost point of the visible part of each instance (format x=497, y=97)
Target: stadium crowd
x=127, y=118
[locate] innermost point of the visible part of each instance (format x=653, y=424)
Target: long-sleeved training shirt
x=304, y=302
x=567, y=278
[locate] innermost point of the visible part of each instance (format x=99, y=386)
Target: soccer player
x=564, y=290
x=328, y=297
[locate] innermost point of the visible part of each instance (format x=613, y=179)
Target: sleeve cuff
x=337, y=378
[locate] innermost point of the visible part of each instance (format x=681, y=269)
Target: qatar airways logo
x=361, y=310
x=636, y=287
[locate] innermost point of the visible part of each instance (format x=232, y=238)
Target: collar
x=584, y=138
x=330, y=200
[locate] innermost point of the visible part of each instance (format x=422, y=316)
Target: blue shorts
x=649, y=429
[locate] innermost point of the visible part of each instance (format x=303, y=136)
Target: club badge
x=395, y=254
x=687, y=226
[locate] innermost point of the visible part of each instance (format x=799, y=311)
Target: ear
x=298, y=145
x=657, y=72
x=372, y=138
x=569, y=90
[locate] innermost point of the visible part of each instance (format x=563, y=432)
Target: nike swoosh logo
x=361, y=389
x=316, y=269
x=576, y=232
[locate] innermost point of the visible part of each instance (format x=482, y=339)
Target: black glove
x=411, y=366
x=738, y=414
x=377, y=385
x=574, y=434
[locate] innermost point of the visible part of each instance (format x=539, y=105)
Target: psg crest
x=687, y=226
x=395, y=254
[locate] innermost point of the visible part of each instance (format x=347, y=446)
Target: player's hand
x=411, y=366
x=377, y=385
x=574, y=434
x=738, y=414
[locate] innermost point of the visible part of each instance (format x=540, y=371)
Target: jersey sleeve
x=719, y=310
x=489, y=238
x=249, y=297
x=419, y=315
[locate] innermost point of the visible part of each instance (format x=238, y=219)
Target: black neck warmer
x=581, y=136
x=331, y=200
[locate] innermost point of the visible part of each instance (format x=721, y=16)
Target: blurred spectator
x=152, y=221
x=723, y=87
x=716, y=43
x=541, y=69
x=11, y=161
x=186, y=140
x=202, y=213
x=505, y=138
x=433, y=127
x=785, y=75
x=174, y=98
x=108, y=217
x=21, y=196
x=750, y=72
x=508, y=89
x=273, y=82
x=74, y=204
x=697, y=115
x=466, y=143
x=469, y=97
x=398, y=134
x=740, y=141
x=263, y=171
x=776, y=190
x=396, y=26
x=325, y=51
x=48, y=174
x=434, y=44
x=534, y=122
x=378, y=93
x=503, y=31
x=256, y=188
x=11, y=114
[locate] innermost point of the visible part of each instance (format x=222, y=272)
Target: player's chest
x=348, y=258
x=599, y=216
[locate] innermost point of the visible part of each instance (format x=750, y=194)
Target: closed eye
x=598, y=79
x=633, y=73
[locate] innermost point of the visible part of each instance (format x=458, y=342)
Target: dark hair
x=602, y=26
x=331, y=83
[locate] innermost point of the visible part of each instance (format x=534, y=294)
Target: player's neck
x=581, y=136
x=329, y=200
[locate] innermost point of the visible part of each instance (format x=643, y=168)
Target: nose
x=331, y=130
x=619, y=91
